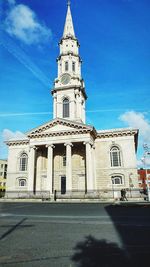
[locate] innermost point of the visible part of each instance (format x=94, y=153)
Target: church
x=65, y=156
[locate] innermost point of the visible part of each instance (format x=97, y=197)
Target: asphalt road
x=68, y=235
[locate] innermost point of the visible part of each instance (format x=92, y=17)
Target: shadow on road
x=102, y=253
x=99, y=253
x=133, y=227
x=13, y=228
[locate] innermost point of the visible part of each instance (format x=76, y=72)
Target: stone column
x=68, y=167
x=89, y=167
x=83, y=111
x=31, y=169
x=54, y=106
x=94, y=168
x=38, y=172
x=50, y=168
x=77, y=103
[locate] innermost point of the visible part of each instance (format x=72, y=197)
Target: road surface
x=69, y=235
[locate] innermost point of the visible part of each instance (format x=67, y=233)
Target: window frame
x=64, y=160
x=115, y=156
x=23, y=162
x=66, y=108
x=66, y=66
x=73, y=66
x=114, y=178
x=24, y=181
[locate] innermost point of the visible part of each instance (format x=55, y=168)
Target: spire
x=68, y=29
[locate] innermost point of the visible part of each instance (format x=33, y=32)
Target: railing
x=103, y=194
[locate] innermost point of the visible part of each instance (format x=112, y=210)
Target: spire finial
x=68, y=2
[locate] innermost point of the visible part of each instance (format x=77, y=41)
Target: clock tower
x=69, y=92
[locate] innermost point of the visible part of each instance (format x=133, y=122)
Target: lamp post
x=130, y=183
x=146, y=153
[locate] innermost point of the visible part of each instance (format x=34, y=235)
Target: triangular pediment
x=59, y=125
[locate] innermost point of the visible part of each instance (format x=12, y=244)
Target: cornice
x=77, y=126
x=17, y=142
x=60, y=133
x=62, y=88
x=67, y=54
x=116, y=133
x=69, y=37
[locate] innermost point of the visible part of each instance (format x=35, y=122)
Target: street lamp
x=130, y=183
x=146, y=153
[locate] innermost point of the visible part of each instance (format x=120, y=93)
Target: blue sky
x=114, y=37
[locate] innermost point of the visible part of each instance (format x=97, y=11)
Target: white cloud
x=22, y=23
x=137, y=120
x=147, y=161
x=9, y=135
x=11, y=2
x=139, y=163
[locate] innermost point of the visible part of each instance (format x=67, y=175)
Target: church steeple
x=69, y=92
x=69, y=28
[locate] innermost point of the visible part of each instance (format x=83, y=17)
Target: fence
x=103, y=194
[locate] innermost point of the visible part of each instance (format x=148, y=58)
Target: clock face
x=65, y=79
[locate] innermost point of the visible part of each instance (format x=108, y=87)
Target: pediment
x=59, y=125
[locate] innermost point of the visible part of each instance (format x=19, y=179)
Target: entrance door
x=63, y=185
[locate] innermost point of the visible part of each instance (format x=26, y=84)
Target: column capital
x=77, y=92
x=68, y=144
x=88, y=143
x=55, y=95
x=32, y=147
x=50, y=145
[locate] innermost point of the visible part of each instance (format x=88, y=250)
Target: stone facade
x=3, y=174
x=66, y=155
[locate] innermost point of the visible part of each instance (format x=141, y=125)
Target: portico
x=50, y=162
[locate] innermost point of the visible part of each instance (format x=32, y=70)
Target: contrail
x=22, y=57
x=115, y=110
x=24, y=114
x=50, y=113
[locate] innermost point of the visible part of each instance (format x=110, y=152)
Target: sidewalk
x=130, y=202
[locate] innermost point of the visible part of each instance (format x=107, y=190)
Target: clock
x=65, y=79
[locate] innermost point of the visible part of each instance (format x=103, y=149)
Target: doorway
x=63, y=185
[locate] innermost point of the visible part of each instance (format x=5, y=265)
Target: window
x=64, y=160
x=73, y=66
x=22, y=182
x=115, y=157
x=66, y=108
x=23, y=162
x=66, y=66
x=116, y=180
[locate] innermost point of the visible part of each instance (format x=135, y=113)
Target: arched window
x=22, y=182
x=23, y=162
x=66, y=66
x=64, y=160
x=66, y=108
x=115, y=157
x=73, y=66
x=117, y=180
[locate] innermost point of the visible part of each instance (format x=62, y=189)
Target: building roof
x=69, y=28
